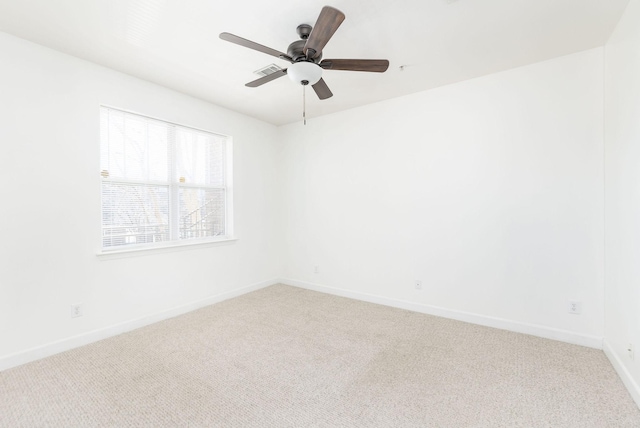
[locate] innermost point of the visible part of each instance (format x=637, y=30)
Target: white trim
x=501, y=323
x=169, y=246
x=23, y=357
x=625, y=376
x=228, y=184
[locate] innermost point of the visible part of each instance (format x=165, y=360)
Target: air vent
x=269, y=69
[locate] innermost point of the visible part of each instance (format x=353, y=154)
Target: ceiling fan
x=305, y=55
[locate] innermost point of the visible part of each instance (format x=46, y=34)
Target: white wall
x=490, y=191
x=50, y=206
x=622, y=185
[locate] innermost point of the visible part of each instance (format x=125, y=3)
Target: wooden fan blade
x=322, y=90
x=327, y=24
x=373, y=65
x=266, y=79
x=253, y=45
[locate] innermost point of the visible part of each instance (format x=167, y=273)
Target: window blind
x=161, y=182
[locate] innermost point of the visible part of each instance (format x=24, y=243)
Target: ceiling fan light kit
x=305, y=73
x=305, y=55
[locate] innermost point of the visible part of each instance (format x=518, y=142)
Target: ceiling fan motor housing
x=296, y=52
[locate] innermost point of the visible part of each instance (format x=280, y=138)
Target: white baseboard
x=501, y=323
x=23, y=357
x=627, y=379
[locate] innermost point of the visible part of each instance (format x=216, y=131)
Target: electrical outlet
x=76, y=310
x=630, y=351
x=575, y=307
x=316, y=269
x=418, y=284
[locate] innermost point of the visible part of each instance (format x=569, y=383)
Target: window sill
x=164, y=248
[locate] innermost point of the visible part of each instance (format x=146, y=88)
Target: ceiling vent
x=269, y=69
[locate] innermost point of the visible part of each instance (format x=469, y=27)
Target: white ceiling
x=175, y=43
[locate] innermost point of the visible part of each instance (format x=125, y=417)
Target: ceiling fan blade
x=322, y=90
x=373, y=65
x=255, y=46
x=266, y=79
x=327, y=24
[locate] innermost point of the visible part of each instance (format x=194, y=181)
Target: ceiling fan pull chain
x=304, y=104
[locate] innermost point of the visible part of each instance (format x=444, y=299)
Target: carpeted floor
x=287, y=357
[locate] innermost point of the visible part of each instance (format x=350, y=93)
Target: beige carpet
x=287, y=357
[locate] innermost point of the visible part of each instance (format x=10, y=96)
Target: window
x=161, y=183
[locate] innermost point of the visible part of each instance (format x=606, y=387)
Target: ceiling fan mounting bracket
x=303, y=31
x=312, y=55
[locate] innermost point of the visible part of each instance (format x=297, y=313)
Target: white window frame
x=174, y=185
